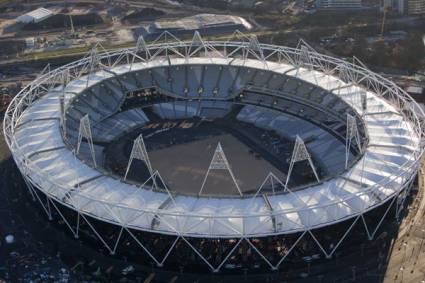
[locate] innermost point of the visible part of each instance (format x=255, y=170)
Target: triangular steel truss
x=348, y=74
x=94, y=61
x=166, y=37
x=85, y=132
x=219, y=162
x=197, y=42
x=300, y=153
x=254, y=48
x=141, y=46
x=139, y=152
x=352, y=133
x=303, y=58
x=141, y=53
x=199, y=45
x=274, y=182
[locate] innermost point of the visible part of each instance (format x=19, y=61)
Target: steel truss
x=238, y=46
x=397, y=201
x=219, y=162
x=139, y=152
x=85, y=132
x=300, y=153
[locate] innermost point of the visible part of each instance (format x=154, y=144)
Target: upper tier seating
x=324, y=147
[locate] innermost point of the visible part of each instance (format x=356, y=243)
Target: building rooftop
x=35, y=16
x=201, y=21
x=415, y=89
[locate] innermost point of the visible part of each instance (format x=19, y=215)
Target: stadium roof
x=376, y=177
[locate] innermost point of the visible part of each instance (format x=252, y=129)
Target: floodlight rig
x=219, y=162
x=85, y=132
x=139, y=152
x=300, y=153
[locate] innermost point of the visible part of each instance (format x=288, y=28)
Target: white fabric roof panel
x=326, y=202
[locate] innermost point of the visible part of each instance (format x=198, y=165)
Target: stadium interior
x=261, y=109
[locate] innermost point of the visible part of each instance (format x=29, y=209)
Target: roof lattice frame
x=85, y=132
x=254, y=49
x=139, y=152
x=300, y=153
x=198, y=45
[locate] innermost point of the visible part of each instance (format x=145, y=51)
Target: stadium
x=216, y=155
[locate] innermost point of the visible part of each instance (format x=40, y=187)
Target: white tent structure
x=35, y=16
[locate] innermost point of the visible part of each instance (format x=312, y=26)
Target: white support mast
x=196, y=45
x=139, y=152
x=255, y=48
x=300, y=153
x=85, y=132
x=305, y=60
x=62, y=113
x=141, y=46
x=364, y=102
x=352, y=133
x=65, y=77
x=219, y=162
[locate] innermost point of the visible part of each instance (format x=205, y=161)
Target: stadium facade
x=354, y=131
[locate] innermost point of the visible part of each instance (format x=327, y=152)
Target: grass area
x=3, y=2
x=77, y=51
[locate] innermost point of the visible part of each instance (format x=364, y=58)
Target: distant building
x=415, y=90
x=243, y=3
x=395, y=6
x=415, y=7
x=339, y=4
x=405, y=7
x=206, y=24
x=30, y=42
x=35, y=16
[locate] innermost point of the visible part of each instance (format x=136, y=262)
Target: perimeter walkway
x=407, y=261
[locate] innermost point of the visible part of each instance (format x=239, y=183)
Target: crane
x=384, y=18
x=72, y=25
